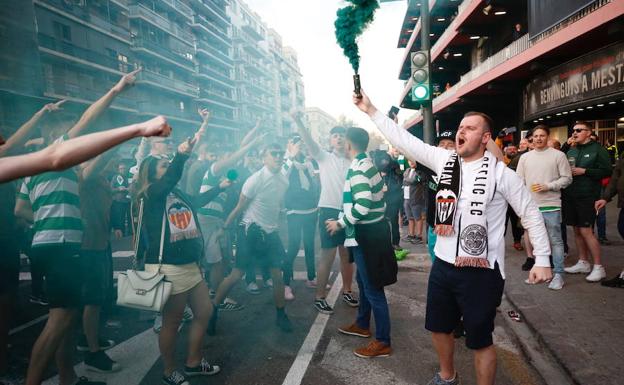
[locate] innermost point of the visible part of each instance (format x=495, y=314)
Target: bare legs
x=484, y=359
x=587, y=244
x=324, y=269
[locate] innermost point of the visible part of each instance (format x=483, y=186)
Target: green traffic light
x=421, y=92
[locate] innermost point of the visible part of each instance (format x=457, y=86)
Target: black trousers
x=516, y=229
x=392, y=214
x=299, y=224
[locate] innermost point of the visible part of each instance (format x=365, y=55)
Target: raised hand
x=204, y=113
x=364, y=103
x=157, y=126
x=186, y=147
x=126, y=80
x=51, y=107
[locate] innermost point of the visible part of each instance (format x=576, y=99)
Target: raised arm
x=60, y=156
x=20, y=137
x=222, y=165
x=96, y=109
x=313, y=148
x=413, y=148
x=242, y=204
x=252, y=133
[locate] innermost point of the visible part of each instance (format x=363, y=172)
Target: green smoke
x=350, y=23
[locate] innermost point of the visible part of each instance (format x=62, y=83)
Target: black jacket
x=154, y=201
x=381, y=264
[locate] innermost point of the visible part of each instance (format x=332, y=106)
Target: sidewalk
x=582, y=325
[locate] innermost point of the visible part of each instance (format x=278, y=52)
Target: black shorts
x=329, y=241
x=97, y=270
x=579, y=212
x=471, y=292
x=9, y=270
x=266, y=248
x=62, y=269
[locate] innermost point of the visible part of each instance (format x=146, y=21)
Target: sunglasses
x=277, y=154
x=579, y=130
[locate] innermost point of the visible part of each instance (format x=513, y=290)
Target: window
x=62, y=31
x=181, y=106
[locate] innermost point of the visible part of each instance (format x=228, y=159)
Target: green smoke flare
x=350, y=23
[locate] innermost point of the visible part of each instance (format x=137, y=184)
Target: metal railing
x=180, y=7
x=163, y=51
x=215, y=74
x=73, y=50
x=167, y=82
x=211, y=28
x=161, y=22
x=66, y=89
x=215, y=52
x=216, y=97
x=513, y=49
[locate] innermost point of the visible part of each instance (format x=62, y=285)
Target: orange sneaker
x=374, y=349
x=354, y=330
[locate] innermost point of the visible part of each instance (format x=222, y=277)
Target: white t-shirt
x=509, y=189
x=265, y=192
x=333, y=173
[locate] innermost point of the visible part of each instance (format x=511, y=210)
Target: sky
x=308, y=27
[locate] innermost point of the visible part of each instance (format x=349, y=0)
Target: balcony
x=205, y=48
x=157, y=50
x=62, y=49
x=201, y=23
x=179, y=7
x=161, y=81
x=216, y=8
x=174, y=115
x=252, y=32
x=139, y=11
x=254, y=50
x=211, y=74
x=85, y=17
x=65, y=88
x=208, y=96
x=221, y=122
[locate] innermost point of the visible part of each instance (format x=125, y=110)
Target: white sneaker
x=253, y=288
x=580, y=267
x=598, y=274
x=288, y=293
x=556, y=283
x=268, y=283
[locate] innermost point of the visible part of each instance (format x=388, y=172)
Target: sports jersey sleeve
x=413, y=148
x=24, y=193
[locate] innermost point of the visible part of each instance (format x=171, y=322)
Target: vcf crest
x=180, y=215
x=445, y=204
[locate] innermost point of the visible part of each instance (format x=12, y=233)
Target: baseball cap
x=338, y=130
x=445, y=134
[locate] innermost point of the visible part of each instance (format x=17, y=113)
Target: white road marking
x=28, y=324
x=306, y=352
x=136, y=355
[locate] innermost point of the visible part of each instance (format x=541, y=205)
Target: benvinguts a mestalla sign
x=596, y=76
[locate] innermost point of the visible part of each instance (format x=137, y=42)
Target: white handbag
x=141, y=289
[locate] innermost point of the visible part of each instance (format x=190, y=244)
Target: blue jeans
x=373, y=299
x=552, y=220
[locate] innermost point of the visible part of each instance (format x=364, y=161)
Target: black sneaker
x=83, y=346
x=38, y=300
x=85, y=381
x=175, y=378
x=616, y=281
x=230, y=306
x=604, y=241
x=100, y=362
x=283, y=322
x=203, y=369
x=347, y=296
x=322, y=306
x=212, y=324
x=528, y=264
x=417, y=240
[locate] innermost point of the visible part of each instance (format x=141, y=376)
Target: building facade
x=188, y=50
x=319, y=123
x=523, y=62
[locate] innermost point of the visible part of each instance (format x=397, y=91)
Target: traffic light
x=421, y=80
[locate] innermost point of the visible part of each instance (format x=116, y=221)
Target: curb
x=535, y=348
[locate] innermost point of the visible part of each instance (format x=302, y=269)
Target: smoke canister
x=357, y=86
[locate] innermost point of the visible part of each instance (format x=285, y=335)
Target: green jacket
x=595, y=160
x=616, y=184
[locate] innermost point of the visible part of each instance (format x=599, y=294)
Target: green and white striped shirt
x=363, y=195
x=215, y=207
x=56, y=207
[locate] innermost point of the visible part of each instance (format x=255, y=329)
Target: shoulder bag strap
x=137, y=239
x=162, y=240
